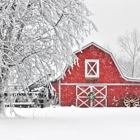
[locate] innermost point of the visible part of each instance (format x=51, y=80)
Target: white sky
x=113, y=18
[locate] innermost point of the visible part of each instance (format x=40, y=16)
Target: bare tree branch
x=130, y=42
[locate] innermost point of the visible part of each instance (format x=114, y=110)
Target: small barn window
x=92, y=68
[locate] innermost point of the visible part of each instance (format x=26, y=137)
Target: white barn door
x=100, y=93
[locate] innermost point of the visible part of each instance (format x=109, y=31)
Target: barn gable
x=109, y=70
x=97, y=72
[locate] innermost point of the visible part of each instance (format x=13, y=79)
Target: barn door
x=100, y=93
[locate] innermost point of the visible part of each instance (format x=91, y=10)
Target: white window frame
x=87, y=62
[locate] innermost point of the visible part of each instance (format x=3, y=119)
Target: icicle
x=69, y=71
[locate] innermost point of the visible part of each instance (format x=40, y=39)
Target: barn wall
x=108, y=71
x=68, y=96
x=121, y=91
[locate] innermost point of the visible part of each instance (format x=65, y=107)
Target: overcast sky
x=113, y=18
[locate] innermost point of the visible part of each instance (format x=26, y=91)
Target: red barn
x=96, y=81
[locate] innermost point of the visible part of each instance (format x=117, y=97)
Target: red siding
x=108, y=71
x=121, y=91
x=68, y=96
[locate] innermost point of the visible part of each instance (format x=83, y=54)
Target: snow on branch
x=38, y=36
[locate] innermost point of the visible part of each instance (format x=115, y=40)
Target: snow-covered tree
x=130, y=43
x=37, y=36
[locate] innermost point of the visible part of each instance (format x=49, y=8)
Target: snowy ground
x=71, y=123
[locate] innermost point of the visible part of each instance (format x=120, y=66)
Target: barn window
x=91, y=68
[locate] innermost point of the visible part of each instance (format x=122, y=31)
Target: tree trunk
x=2, y=107
x=133, y=67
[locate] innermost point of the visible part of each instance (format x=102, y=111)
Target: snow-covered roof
x=113, y=58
